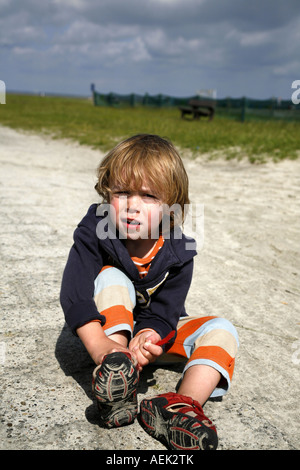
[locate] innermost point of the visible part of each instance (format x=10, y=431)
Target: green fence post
x=93, y=93
x=146, y=99
x=244, y=105
x=132, y=100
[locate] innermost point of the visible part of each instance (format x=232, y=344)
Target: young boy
x=123, y=293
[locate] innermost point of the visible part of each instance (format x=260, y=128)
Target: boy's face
x=137, y=213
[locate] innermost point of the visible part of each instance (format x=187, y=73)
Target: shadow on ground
x=75, y=362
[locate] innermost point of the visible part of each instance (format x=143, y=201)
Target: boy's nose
x=133, y=203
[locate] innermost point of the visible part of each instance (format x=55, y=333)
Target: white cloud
x=290, y=69
x=16, y=29
x=83, y=31
x=160, y=44
x=23, y=51
x=256, y=38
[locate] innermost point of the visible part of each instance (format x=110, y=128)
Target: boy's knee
x=114, y=296
x=223, y=324
x=113, y=278
x=216, y=333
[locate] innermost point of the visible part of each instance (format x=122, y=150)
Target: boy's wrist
x=144, y=330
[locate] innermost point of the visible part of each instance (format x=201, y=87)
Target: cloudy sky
x=176, y=47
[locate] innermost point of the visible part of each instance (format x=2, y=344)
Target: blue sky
x=176, y=47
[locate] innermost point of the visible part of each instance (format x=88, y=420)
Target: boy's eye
x=120, y=193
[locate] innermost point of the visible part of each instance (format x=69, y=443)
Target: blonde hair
x=145, y=157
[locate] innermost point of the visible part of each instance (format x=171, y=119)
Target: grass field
x=103, y=127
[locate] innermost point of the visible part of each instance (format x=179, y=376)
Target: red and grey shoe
x=178, y=422
x=114, y=385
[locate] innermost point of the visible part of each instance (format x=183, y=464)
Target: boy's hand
x=144, y=347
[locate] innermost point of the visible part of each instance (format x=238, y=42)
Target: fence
x=246, y=108
x=234, y=108
x=133, y=100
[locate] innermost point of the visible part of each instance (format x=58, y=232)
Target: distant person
x=123, y=293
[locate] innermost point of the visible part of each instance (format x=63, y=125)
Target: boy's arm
x=96, y=342
x=83, y=265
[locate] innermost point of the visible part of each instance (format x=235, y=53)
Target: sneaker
x=178, y=422
x=115, y=385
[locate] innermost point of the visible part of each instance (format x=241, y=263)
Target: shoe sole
x=114, y=384
x=176, y=431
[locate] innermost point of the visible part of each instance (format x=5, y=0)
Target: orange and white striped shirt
x=143, y=264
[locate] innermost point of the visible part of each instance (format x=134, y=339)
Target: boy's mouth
x=131, y=222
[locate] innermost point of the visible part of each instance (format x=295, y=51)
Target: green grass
x=103, y=127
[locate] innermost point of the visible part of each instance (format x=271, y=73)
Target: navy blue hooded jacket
x=163, y=289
